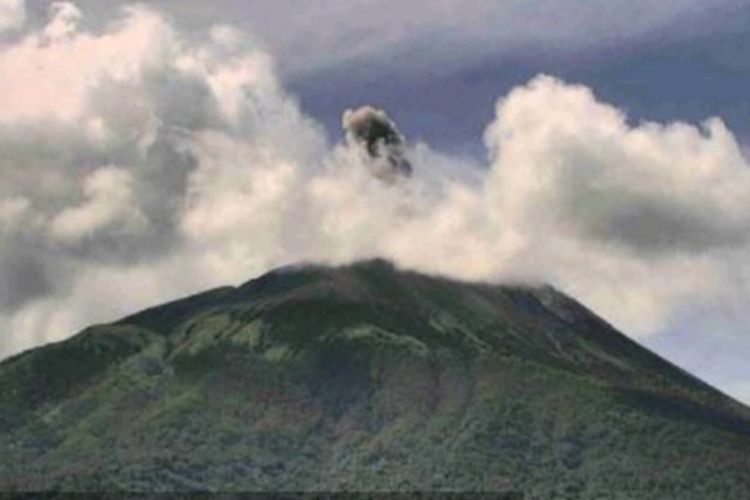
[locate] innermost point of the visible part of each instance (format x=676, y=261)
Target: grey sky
x=307, y=37
x=438, y=66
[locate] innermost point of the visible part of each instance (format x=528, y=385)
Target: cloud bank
x=139, y=164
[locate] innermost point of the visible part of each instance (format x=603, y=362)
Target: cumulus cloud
x=109, y=204
x=118, y=148
x=50, y=74
x=140, y=164
x=636, y=220
x=651, y=188
x=12, y=14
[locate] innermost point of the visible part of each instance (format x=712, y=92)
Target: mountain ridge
x=526, y=385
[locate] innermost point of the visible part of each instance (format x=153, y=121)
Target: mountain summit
x=367, y=378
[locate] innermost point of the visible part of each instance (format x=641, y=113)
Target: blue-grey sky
x=690, y=70
x=439, y=67
x=128, y=127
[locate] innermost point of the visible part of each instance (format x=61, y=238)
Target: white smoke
x=138, y=166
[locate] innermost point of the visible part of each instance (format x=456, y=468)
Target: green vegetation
x=367, y=378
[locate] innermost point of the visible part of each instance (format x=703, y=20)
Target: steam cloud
x=151, y=166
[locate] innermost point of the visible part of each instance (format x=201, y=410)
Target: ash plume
x=376, y=134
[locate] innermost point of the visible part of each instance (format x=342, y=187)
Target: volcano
x=367, y=378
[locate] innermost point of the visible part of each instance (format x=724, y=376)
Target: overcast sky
x=152, y=150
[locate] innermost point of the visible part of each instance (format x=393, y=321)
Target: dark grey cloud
x=646, y=218
x=647, y=226
x=24, y=276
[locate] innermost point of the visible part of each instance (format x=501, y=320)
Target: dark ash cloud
x=373, y=130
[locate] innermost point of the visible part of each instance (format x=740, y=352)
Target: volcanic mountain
x=367, y=378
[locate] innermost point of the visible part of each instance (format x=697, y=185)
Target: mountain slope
x=367, y=378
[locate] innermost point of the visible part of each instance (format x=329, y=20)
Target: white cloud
x=109, y=204
x=236, y=204
x=12, y=210
x=139, y=164
x=229, y=72
x=633, y=220
x=64, y=20
x=12, y=14
x=138, y=157
x=50, y=74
